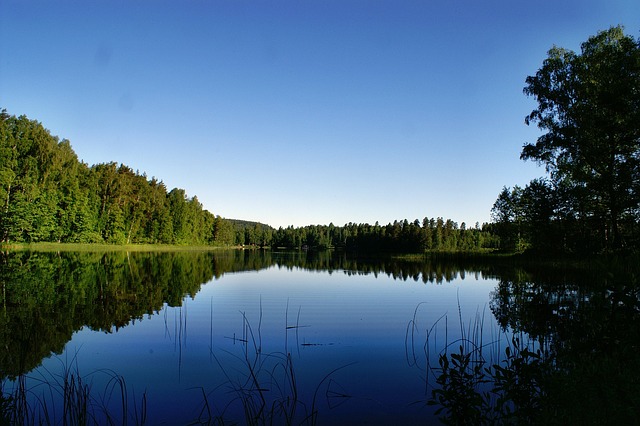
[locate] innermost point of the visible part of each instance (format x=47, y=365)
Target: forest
x=589, y=113
x=589, y=201
x=48, y=195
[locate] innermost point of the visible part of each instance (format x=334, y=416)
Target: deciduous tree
x=589, y=111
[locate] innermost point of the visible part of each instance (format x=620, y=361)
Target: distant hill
x=242, y=224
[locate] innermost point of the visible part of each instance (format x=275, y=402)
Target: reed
x=68, y=398
x=473, y=380
x=265, y=387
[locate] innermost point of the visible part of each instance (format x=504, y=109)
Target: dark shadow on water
x=572, y=357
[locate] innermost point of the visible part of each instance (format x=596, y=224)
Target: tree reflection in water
x=584, y=364
x=47, y=296
x=586, y=325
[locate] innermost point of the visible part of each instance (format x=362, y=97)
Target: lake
x=254, y=336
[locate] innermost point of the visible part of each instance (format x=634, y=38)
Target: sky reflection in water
x=350, y=322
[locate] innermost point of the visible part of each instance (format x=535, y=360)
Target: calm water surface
x=189, y=331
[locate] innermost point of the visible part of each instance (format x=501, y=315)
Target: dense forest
x=589, y=112
x=48, y=195
x=399, y=237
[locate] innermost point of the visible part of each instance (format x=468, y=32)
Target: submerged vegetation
x=68, y=397
x=106, y=291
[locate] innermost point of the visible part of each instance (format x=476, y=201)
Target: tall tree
x=589, y=109
x=508, y=213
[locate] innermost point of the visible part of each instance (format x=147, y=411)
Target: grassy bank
x=106, y=247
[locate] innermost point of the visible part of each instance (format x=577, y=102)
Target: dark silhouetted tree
x=589, y=111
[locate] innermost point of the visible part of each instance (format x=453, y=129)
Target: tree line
x=589, y=112
x=48, y=195
x=398, y=237
x=430, y=234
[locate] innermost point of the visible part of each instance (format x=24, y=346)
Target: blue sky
x=298, y=112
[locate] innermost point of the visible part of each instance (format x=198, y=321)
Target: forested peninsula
x=48, y=195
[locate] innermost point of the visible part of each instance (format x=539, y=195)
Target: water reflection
x=47, y=296
x=587, y=322
x=579, y=312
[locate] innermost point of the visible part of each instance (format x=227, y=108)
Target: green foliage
x=397, y=237
x=457, y=394
x=471, y=391
x=589, y=321
x=47, y=195
x=579, y=365
x=589, y=111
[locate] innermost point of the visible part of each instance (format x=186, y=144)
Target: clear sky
x=298, y=112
